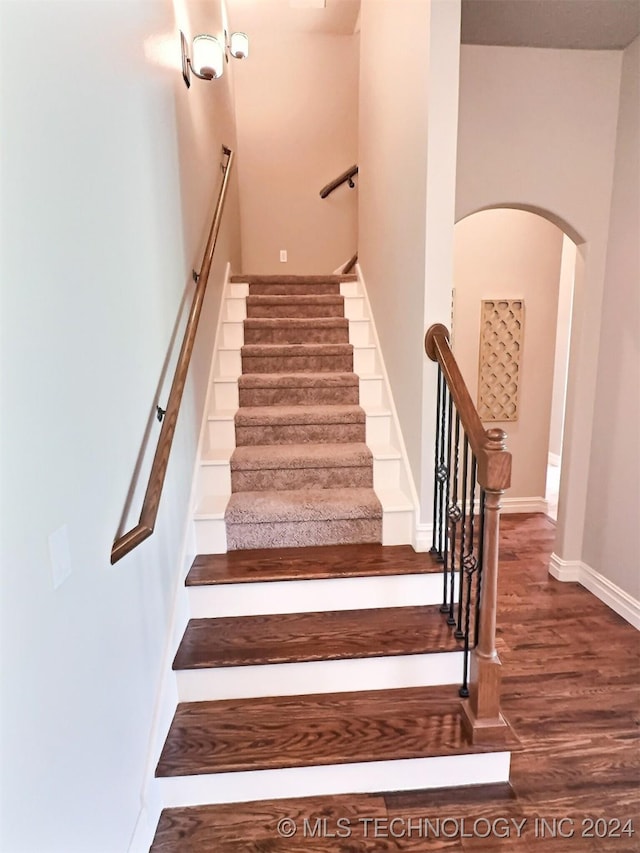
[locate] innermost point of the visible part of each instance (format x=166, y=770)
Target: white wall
x=538, y=129
x=297, y=107
x=512, y=254
x=563, y=338
x=407, y=143
x=612, y=533
x=109, y=171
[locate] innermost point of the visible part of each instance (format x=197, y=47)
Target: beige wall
x=297, y=108
x=407, y=144
x=109, y=172
x=512, y=254
x=563, y=336
x=612, y=532
x=538, y=129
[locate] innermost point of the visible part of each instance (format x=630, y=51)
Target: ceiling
x=580, y=24
x=338, y=17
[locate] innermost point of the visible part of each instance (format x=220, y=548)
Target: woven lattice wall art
x=501, y=340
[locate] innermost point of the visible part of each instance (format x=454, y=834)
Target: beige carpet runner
x=301, y=473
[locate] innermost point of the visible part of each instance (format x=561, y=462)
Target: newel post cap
x=496, y=439
x=429, y=339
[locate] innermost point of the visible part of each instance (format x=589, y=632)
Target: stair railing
x=149, y=513
x=472, y=469
x=345, y=178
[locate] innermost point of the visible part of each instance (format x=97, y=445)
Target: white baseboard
x=554, y=459
x=613, y=596
x=512, y=505
x=422, y=537
x=564, y=570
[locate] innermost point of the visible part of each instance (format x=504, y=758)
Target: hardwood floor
x=333, y=635
x=326, y=561
x=572, y=693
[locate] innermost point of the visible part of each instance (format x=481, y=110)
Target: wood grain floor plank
x=319, y=562
x=336, y=635
x=297, y=731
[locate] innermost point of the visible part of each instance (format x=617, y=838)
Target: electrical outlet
x=283, y=256
x=60, y=555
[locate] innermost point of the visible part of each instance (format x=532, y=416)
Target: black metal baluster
x=454, y=518
x=480, y=565
x=443, y=469
x=470, y=563
x=459, y=633
x=436, y=550
x=447, y=607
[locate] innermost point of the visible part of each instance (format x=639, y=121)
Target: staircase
x=332, y=668
x=287, y=690
x=302, y=444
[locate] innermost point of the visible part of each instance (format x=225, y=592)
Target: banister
x=148, y=515
x=469, y=557
x=346, y=176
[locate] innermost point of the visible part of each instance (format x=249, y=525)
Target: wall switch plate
x=60, y=555
x=283, y=256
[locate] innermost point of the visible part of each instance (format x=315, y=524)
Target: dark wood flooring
x=572, y=694
x=323, y=561
x=335, y=635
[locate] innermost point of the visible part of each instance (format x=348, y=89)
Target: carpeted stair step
x=315, y=330
x=293, y=389
x=291, y=358
x=293, y=285
x=295, y=306
x=324, y=635
x=301, y=466
x=299, y=425
x=274, y=519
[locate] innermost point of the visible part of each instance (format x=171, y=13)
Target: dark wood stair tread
x=300, y=731
x=253, y=825
x=314, y=563
x=293, y=637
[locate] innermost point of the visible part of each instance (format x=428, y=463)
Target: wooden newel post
x=483, y=720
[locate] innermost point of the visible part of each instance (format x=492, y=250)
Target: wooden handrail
x=132, y=538
x=347, y=175
x=494, y=462
x=350, y=264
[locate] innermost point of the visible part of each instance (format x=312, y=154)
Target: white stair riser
x=232, y=335
x=366, y=777
x=349, y=288
x=378, y=429
x=238, y=290
x=360, y=333
x=397, y=526
x=308, y=596
x=234, y=310
x=222, y=432
x=228, y=363
x=364, y=360
x=325, y=676
x=354, y=308
x=225, y=395
x=386, y=473
x=370, y=392
x=211, y=535
x=214, y=480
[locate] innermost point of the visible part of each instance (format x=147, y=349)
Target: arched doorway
x=523, y=261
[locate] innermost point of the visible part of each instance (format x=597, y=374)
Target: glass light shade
x=208, y=57
x=239, y=45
